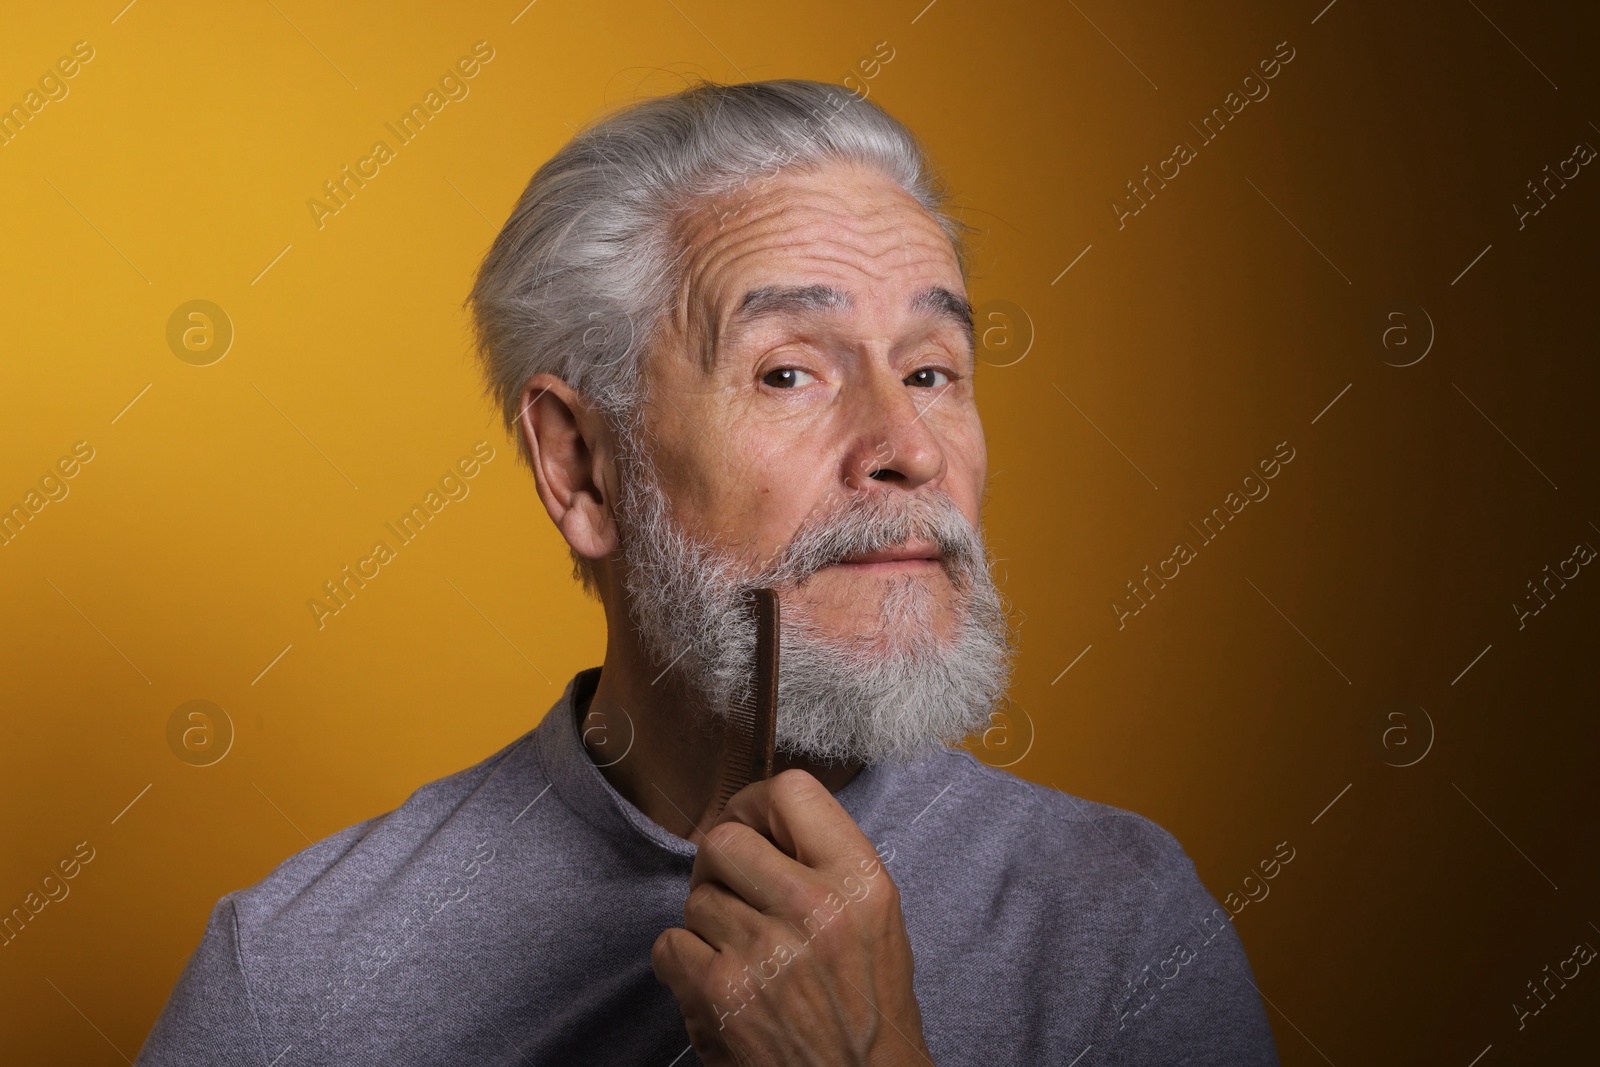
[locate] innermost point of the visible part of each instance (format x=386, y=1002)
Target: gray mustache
x=872, y=524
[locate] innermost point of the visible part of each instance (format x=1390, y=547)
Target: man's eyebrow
x=778, y=300
x=782, y=300
x=948, y=305
x=772, y=300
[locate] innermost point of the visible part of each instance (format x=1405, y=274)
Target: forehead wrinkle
x=709, y=326
x=879, y=211
x=839, y=236
x=936, y=300
x=815, y=230
x=835, y=208
x=901, y=207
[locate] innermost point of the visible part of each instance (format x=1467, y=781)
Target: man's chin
x=887, y=606
x=864, y=642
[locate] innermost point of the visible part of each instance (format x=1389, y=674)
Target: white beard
x=893, y=694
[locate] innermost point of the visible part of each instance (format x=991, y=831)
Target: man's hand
x=795, y=951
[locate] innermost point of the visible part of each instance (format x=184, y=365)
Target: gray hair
x=581, y=279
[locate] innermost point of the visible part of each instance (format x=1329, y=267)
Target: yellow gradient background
x=1125, y=397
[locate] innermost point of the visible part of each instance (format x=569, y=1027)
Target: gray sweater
x=504, y=915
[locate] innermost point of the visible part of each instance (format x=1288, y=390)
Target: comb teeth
x=749, y=748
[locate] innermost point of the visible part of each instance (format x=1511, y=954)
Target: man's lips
x=902, y=557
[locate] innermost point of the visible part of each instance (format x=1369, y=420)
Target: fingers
x=802, y=818
x=720, y=918
x=676, y=958
x=747, y=864
x=781, y=866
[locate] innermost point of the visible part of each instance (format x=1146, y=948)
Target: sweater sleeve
x=1192, y=998
x=209, y=1017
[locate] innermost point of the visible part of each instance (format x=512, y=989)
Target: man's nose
x=893, y=442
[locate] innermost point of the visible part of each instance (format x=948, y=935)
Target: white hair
x=892, y=692
x=579, y=281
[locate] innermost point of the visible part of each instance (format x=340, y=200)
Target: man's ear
x=573, y=463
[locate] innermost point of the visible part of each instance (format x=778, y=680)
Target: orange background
x=1126, y=397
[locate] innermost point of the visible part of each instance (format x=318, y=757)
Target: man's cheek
x=966, y=457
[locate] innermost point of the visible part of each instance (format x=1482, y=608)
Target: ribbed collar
x=584, y=789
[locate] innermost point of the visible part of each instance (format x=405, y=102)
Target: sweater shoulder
x=1045, y=825
x=364, y=857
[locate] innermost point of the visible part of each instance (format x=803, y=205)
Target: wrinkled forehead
x=850, y=236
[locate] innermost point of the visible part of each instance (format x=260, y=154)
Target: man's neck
x=660, y=751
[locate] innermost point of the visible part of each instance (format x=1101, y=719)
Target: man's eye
x=786, y=377
x=928, y=378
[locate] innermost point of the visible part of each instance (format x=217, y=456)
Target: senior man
x=729, y=328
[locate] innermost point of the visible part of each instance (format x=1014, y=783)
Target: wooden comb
x=753, y=720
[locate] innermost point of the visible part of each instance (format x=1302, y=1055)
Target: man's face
x=819, y=351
